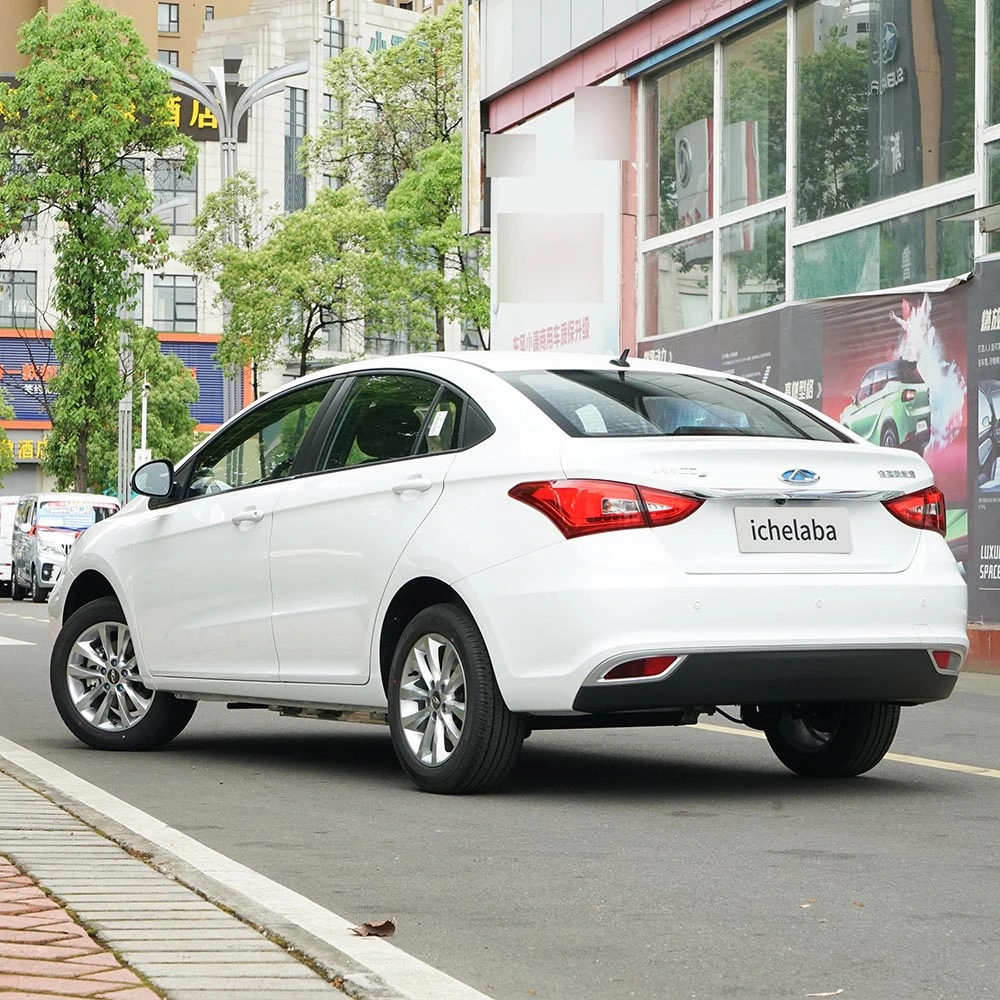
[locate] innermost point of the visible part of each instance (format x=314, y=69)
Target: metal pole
x=145, y=398
x=125, y=422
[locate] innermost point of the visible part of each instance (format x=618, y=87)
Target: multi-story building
x=804, y=192
x=180, y=306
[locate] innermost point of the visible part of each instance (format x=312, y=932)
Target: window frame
x=172, y=20
x=173, y=324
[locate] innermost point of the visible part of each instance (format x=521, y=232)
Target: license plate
x=921, y=426
x=793, y=529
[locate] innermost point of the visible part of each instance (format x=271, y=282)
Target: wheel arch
x=88, y=586
x=415, y=595
x=888, y=421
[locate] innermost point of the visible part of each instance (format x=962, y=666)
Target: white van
x=45, y=527
x=8, y=507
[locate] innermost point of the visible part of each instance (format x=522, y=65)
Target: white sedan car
x=470, y=547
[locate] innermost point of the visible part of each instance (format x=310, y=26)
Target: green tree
x=391, y=106
x=326, y=264
x=443, y=267
x=231, y=221
x=88, y=97
x=169, y=426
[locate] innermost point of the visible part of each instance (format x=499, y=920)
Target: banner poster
x=892, y=367
x=984, y=443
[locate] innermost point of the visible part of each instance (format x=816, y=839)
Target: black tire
x=38, y=595
x=889, y=437
x=839, y=740
x=166, y=715
x=17, y=592
x=491, y=735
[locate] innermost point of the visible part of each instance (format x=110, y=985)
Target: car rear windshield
x=72, y=514
x=642, y=403
x=908, y=374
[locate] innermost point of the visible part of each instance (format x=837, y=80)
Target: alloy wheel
x=432, y=699
x=103, y=679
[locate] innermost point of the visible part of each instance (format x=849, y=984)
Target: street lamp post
x=230, y=104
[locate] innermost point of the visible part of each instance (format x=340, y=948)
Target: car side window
x=865, y=389
x=261, y=447
x=880, y=381
x=443, y=424
x=381, y=419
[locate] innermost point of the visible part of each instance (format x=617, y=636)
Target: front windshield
x=72, y=514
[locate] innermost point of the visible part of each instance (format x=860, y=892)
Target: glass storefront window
x=679, y=170
x=993, y=55
x=886, y=97
x=753, y=103
x=753, y=265
x=993, y=184
x=679, y=287
x=902, y=251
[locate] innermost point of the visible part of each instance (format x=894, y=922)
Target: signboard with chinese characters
x=384, y=40
x=23, y=450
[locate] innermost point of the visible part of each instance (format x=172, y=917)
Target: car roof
x=73, y=497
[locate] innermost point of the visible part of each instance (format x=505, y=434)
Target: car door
x=21, y=542
x=201, y=583
x=339, y=533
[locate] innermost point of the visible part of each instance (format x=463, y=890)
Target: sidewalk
x=81, y=917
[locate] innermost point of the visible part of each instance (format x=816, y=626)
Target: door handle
x=251, y=514
x=419, y=484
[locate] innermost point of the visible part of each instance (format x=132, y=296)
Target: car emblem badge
x=799, y=476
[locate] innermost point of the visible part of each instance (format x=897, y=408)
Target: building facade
x=798, y=192
x=174, y=301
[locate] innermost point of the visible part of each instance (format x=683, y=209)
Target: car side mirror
x=154, y=479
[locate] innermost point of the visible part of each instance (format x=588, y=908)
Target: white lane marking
x=408, y=975
x=6, y=640
x=899, y=758
x=24, y=618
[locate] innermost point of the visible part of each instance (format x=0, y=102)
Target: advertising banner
x=984, y=443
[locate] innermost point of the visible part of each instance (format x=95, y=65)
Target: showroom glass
x=993, y=183
x=261, y=446
x=679, y=166
x=886, y=98
x=640, y=404
x=679, y=286
x=902, y=251
x=753, y=117
x=753, y=265
x=993, y=61
x=381, y=419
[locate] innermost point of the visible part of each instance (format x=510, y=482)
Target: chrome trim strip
x=764, y=494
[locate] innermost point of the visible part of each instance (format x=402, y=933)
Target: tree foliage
x=442, y=267
x=88, y=97
x=232, y=222
x=391, y=106
x=6, y=457
x=324, y=265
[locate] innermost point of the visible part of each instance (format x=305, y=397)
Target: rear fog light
x=945, y=659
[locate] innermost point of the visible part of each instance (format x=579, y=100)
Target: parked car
x=46, y=526
x=892, y=407
x=8, y=507
x=471, y=547
x=988, y=444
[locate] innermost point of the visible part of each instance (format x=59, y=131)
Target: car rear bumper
x=757, y=677
x=554, y=618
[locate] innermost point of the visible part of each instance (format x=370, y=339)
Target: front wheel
x=17, y=592
x=37, y=594
x=838, y=740
x=451, y=730
x=97, y=687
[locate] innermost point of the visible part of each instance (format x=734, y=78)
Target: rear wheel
x=37, y=594
x=17, y=592
x=97, y=687
x=890, y=437
x=837, y=740
x=451, y=730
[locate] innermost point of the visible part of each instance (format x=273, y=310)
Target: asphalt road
x=667, y=863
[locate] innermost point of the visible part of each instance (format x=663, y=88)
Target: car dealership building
x=800, y=193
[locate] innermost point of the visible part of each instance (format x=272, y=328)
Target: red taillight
x=648, y=666
x=923, y=509
x=943, y=658
x=586, y=506
x=909, y=395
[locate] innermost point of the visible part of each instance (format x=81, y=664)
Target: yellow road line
x=899, y=758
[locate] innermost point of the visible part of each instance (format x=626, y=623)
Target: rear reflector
x=648, y=666
x=587, y=506
x=923, y=509
x=944, y=659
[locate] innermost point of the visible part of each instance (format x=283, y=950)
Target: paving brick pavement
x=82, y=917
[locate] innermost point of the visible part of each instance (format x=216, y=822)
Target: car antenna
x=622, y=360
